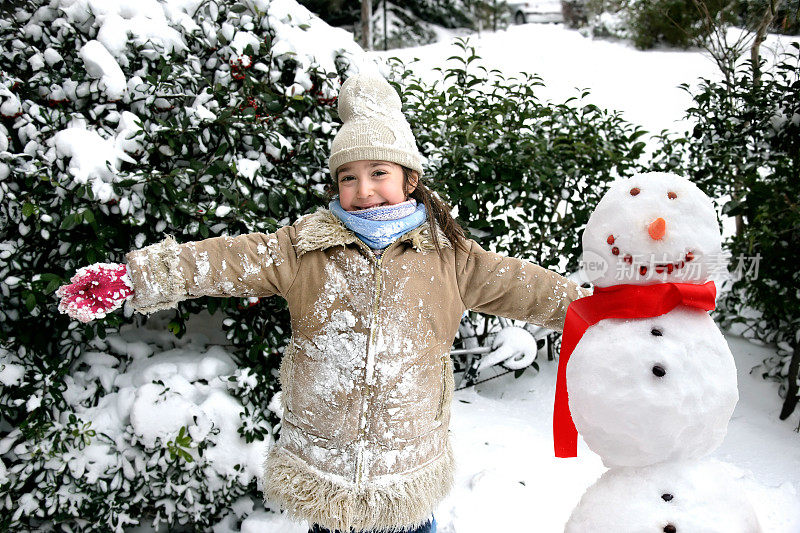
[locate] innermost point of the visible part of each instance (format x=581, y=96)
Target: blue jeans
x=429, y=527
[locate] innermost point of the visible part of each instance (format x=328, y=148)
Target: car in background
x=536, y=11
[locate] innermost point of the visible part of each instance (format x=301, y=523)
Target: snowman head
x=652, y=227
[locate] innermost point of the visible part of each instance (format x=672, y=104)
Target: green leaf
x=30, y=301
x=28, y=209
x=52, y=287
x=275, y=202
x=186, y=456
x=70, y=221
x=47, y=276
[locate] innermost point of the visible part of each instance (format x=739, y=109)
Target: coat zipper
x=369, y=370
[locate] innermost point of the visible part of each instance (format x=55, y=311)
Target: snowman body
x=682, y=496
x=655, y=389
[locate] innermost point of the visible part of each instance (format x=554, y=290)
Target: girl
x=376, y=286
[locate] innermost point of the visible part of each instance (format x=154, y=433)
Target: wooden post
x=366, y=24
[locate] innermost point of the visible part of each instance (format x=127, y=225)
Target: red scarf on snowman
x=617, y=301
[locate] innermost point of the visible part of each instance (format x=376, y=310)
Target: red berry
x=689, y=256
x=635, y=191
x=642, y=270
x=610, y=239
x=628, y=259
x=615, y=250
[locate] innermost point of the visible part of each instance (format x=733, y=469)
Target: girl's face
x=365, y=184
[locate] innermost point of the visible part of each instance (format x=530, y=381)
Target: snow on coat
x=367, y=378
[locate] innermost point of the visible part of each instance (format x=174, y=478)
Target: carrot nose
x=657, y=228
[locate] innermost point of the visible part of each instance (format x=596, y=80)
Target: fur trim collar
x=322, y=229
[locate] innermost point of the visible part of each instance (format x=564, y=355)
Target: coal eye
x=666, y=497
x=659, y=371
x=656, y=332
x=669, y=528
x=635, y=191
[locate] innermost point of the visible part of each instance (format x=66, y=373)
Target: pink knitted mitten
x=95, y=290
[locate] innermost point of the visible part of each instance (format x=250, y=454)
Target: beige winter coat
x=367, y=378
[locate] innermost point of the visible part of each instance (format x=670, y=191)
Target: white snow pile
x=308, y=40
x=141, y=22
x=101, y=64
x=94, y=159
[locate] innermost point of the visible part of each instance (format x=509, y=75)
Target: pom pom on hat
x=374, y=127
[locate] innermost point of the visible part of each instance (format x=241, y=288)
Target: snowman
x=673, y=497
x=649, y=376
x=645, y=375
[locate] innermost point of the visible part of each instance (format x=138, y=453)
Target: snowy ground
x=507, y=471
x=508, y=480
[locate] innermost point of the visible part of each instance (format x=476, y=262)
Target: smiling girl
x=376, y=286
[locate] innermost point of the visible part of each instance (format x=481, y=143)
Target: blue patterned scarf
x=372, y=226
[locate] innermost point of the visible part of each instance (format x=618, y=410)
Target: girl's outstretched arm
x=251, y=265
x=513, y=288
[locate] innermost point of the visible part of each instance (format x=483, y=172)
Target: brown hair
x=438, y=211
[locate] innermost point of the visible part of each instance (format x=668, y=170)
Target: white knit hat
x=374, y=127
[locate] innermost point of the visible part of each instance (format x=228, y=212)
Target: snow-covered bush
x=679, y=23
x=672, y=22
x=524, y=174
x=121, y=121
x=745, y=146
x=606, y=20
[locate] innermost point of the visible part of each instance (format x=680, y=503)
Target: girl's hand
x=95, y=290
